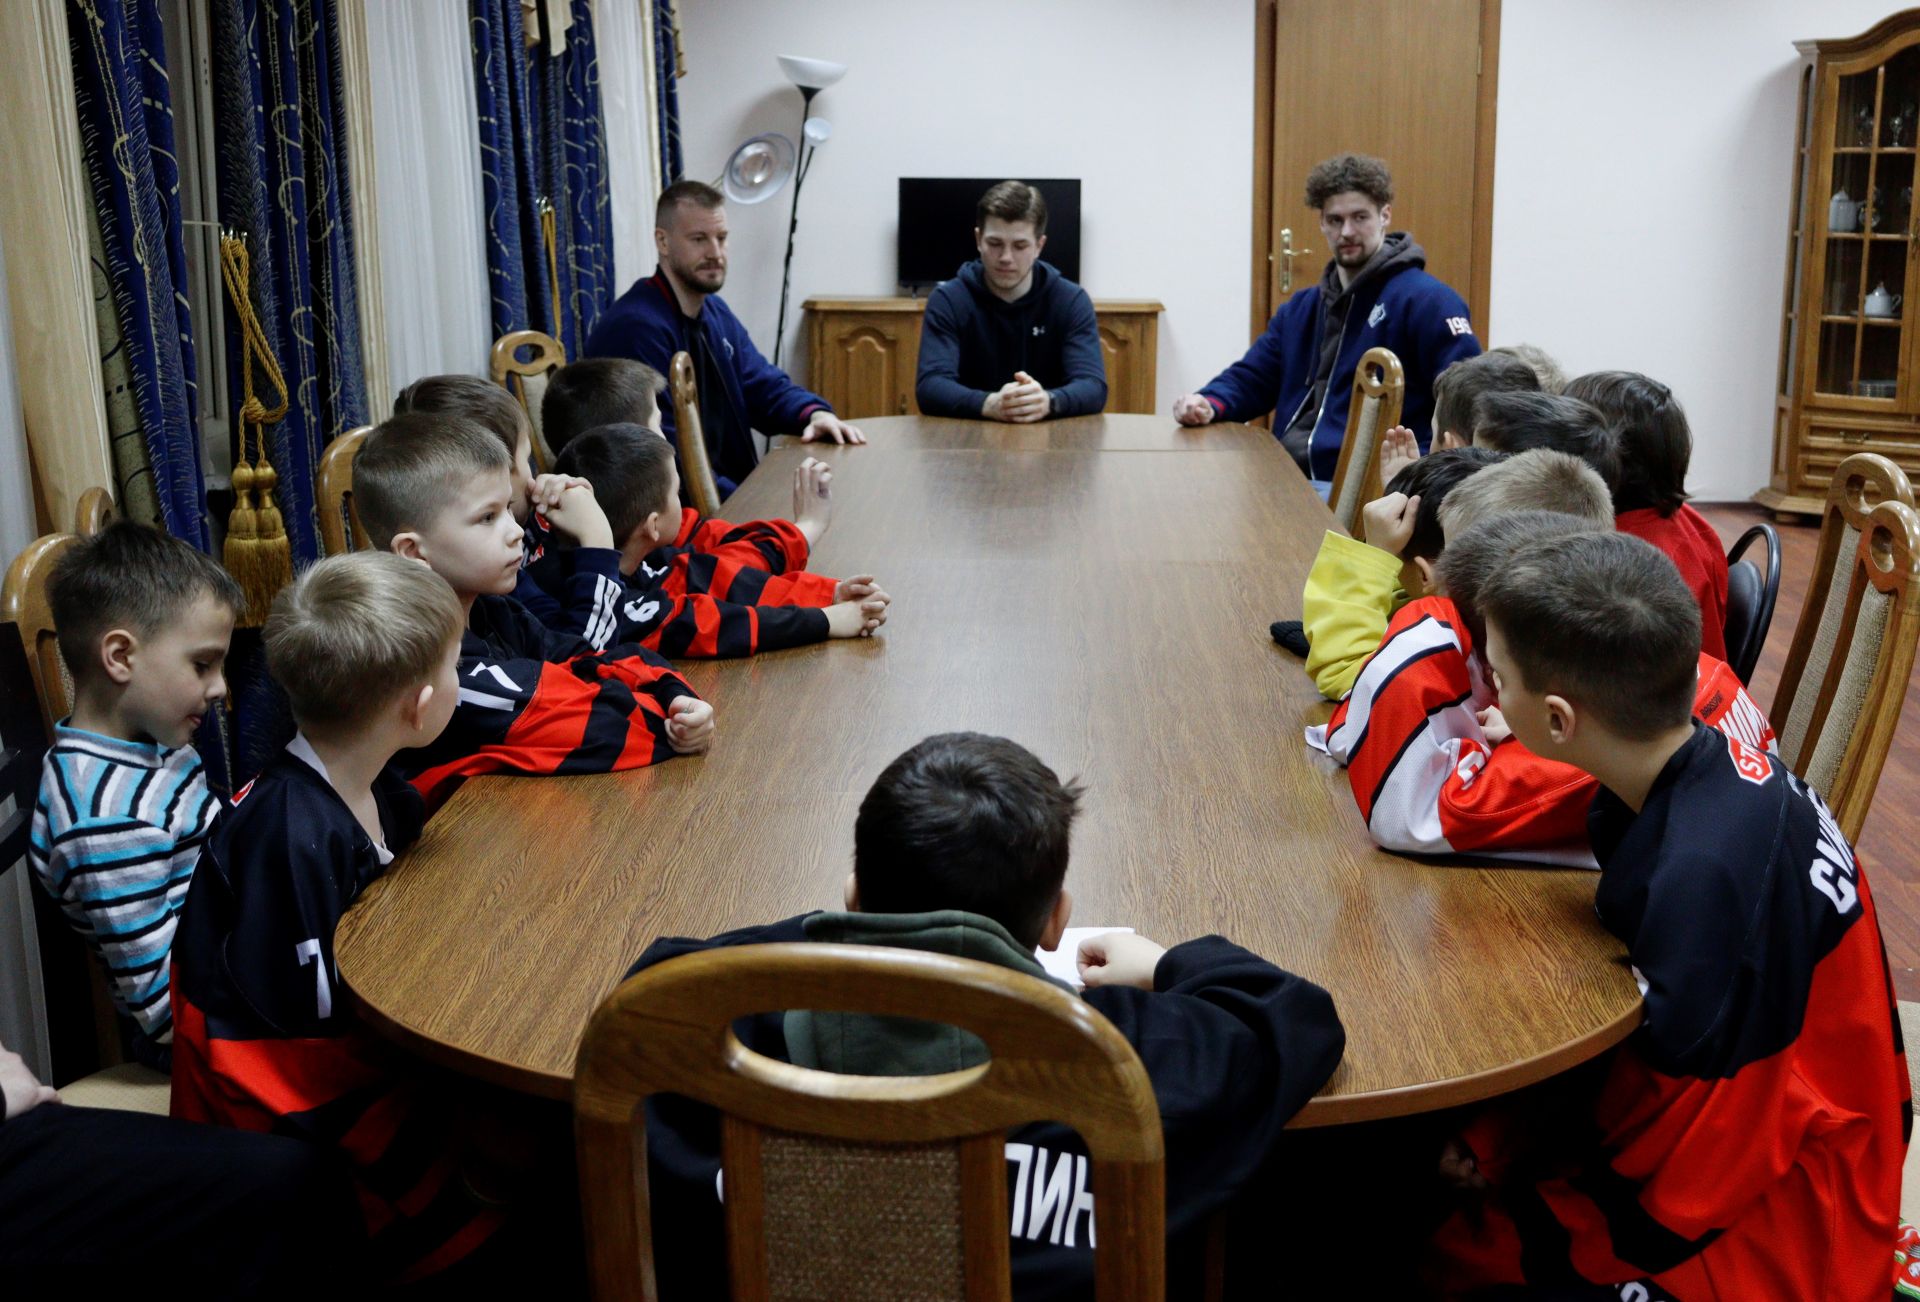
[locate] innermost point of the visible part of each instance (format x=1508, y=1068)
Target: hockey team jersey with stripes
x=1747, y=1140
x=263, y=1039
x=533, y=700
x=760, y=563
x=1423, y=774
x=116, y=832
x=692, y=624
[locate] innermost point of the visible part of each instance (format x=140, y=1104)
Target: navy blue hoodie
x=1393, y=303
x=972, y=341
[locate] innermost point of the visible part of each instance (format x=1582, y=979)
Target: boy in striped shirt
x=143, y=621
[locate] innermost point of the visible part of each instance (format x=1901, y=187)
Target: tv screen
x=936, y=225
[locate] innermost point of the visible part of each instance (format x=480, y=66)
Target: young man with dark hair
x=1650, y=501
x=143, y=621
x=679, y=309
x=703, y=588
x=1009, y=338
x=1376, y=293
x=1747, y=1141
x=1355, y=585
x=596, y=391
x=961, y=848
x=1515, y=422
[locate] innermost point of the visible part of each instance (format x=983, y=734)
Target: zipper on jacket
x=1314, y=433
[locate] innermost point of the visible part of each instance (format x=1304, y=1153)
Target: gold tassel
x=258, y=553
x=550, y=236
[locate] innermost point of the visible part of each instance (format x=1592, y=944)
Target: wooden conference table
x=1098, y=589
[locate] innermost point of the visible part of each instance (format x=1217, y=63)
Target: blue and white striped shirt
x=116, y=834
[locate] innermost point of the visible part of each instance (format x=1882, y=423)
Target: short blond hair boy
x=1540, y=480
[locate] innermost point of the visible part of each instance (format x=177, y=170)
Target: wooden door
x=1410, y=81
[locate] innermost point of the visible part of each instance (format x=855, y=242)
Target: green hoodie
x=862, y=1044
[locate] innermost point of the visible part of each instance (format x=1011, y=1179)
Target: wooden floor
x=1893, y=828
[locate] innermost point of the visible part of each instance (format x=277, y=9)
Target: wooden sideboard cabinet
x=1850, y=328
x=863, y=353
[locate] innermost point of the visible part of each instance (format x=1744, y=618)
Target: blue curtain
x=280, y=126
x=280, y=129
x=570, y=159
x=666, y=67
x=521, y=291
x=126, y=134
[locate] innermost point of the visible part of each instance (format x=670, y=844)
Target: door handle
x=1287, y=254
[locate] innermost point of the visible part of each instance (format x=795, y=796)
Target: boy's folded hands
x=568, y=503
x=689, y=725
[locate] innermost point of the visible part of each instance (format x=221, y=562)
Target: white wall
x=1642, y=177
x=1150, y=104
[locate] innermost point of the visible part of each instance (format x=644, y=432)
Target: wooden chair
x=338, y=518
x=527, y=379
x=695, y=468
x=1751, y=597
x=82, y=1028
x=1858, y=483
x=802, y=1148
x=94, y=512
x=1379, y=392
x=23, y=602
x=1857, y=700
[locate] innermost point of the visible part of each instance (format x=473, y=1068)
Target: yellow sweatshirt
x=1352, y=591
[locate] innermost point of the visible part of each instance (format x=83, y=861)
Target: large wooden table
x=1098, y=589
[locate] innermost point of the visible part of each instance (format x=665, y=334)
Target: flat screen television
x=936, y=225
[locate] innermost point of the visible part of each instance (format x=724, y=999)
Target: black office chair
x=1750, y=599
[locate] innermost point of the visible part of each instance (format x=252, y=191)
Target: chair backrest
x=94, y=512
x=23, y=601
x=1379, y=392
x=1859, y=698
x=526, y=379
x=695, y=468
x=804, y=1149
x=1861, y=481
x=81, y=1030
x=340, y=529
x=1750, y=599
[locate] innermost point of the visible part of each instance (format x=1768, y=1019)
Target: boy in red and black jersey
x=691, y=586
x=437, y=490
x=366, y=647
x=1747, y=1141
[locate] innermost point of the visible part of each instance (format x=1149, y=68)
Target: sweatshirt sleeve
x=1085, y=391
x=937, y=388
x=1234, y=1046
x=775, y=404
x=699, y=626
x=1350, y=595
x=589, y=585
x=1249, y=388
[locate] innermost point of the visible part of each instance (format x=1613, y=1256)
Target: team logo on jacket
x=1378, y=314
x=642, y=611
x=1039, y=330
x=1749, y=763
x=1459, y=325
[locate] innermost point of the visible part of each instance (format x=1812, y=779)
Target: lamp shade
x=811, y=74
x=758, y=168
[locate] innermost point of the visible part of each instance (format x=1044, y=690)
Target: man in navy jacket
x=1376, y=293
x=1010, y=338
x=679, y=309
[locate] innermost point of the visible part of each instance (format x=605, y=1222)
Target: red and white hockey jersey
x=1424, y=775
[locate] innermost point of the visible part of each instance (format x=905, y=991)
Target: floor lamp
x=812, y=76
